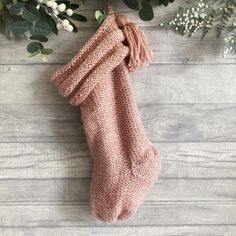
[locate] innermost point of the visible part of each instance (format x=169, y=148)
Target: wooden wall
x=186, y=99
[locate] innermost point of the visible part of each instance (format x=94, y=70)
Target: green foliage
x=34, y=47
x=78, y=17
x=19, y=26
x=146, y=12
x=166, y=2
x=145, y=7
x=100, y=16
x=39, y=37
x=226, y=12
x=33, y=20
x=202, y=16
x=133, y=4
x=30, y=13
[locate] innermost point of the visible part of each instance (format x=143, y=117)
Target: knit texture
x=125, y=162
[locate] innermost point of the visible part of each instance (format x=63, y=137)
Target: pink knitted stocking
x=126, y=163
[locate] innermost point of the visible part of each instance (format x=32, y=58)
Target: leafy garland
x=145, y=7
x=35, y=20
x=204, y=15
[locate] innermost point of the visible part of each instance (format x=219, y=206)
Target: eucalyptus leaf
x=1, y=5
x=16, y=8
x=31, y=2
x=46, y=18
x=41, y=28
x=52, y=25
x=46, y=51
x=133, y=4
x=19, y=26
x=30, y=13
x=34, y=54
x=146, y=13
x=39, y=37
x=98, y=14
x=34, y=47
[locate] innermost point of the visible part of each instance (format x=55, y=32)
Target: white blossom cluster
x=230, y=44
x=54, y=10
x=190, y=20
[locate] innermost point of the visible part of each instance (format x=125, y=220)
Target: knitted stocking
x=125, y=162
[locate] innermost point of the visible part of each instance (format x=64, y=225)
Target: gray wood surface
x=186, y=99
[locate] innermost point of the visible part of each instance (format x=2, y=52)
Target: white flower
x=65, y=22
x=69, y=12
x=40, y=1
x=54, y=5
x=61, y=7
x=49, y=3
x=55, y=12
x=59, y=26
x=69, y=28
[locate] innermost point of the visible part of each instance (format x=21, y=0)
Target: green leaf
x=30, y=13
x=133, y=4
x=46, y=51
x=19, y=26
x=39, y=37
x=34, y=46
x=34, y=54
x=52, y=24
x=16, y=8
x=165, y=2
x=63, y=1
x=100, y=16
x=46, y=18
x=1, y=5
x=31, y=2
x=72, y=6
x=146, y=13
x=41, y=28
x=78, y=17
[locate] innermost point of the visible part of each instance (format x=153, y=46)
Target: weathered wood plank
x=72, y=160
x=163, y=122
x=159, y=214
x=168, y=48
x=122, y=231
x=156, y=84
x=77, y=190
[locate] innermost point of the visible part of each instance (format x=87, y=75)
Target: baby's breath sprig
x=230, y=44
x=203, y=15
x=188, y=21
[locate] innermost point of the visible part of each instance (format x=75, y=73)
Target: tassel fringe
x=139, y=50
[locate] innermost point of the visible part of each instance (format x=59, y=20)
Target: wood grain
x=167, y=84
x=122, y=231
x=159, y=214
x=77, y=190
x=186, y=100
x=163, y=122
x=168, y=48
x=72, y=160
